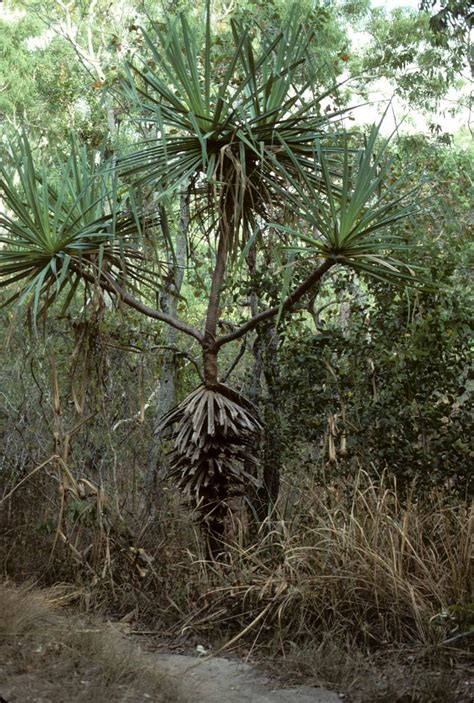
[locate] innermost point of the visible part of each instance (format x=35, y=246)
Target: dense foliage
x=392, y=371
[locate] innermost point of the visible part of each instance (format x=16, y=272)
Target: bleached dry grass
x=56, y=656
x=352, y=588
x=363, y=563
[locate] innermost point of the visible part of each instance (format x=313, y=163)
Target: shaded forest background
x=353, y=537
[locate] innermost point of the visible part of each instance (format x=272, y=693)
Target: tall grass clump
x=354, y=560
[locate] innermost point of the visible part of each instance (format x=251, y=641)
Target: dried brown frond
x=212, y=432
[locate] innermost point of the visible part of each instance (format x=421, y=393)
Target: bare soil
x=51, y=656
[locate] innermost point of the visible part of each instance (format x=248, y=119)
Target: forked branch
x=107, y=283
x=292, y=298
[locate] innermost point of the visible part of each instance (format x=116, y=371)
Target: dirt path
x=49, y=655
x=187, y=681
x=221, y=680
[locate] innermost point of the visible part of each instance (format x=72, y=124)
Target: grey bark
x=166, y=397
x=263, y=390
x=264, y=395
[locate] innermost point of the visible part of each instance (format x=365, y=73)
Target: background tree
x=452, y=23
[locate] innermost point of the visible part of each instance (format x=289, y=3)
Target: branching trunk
x=210, y=464
x=295, y=296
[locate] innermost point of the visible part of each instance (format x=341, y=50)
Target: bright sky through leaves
x=392, y=4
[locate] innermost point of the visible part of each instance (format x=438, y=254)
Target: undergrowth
x=352, y=568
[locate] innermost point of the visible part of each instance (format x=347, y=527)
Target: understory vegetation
x=351, y=581
x=347, y=586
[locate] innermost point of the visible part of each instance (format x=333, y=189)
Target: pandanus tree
x=256, y=154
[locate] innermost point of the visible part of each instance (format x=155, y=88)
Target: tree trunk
x=214, y=525
x=269, y=450
x=166, y=398
x=272, y=455
x=264, y=349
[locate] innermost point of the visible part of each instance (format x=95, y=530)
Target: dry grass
x=346, y=585
x=47, y=655
x=352, y=587
x=396, y=675
x=359, y=562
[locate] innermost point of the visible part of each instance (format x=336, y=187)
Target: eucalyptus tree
x=451, y=22
x=39, y=86
x=258, y=157
x=421, y=58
